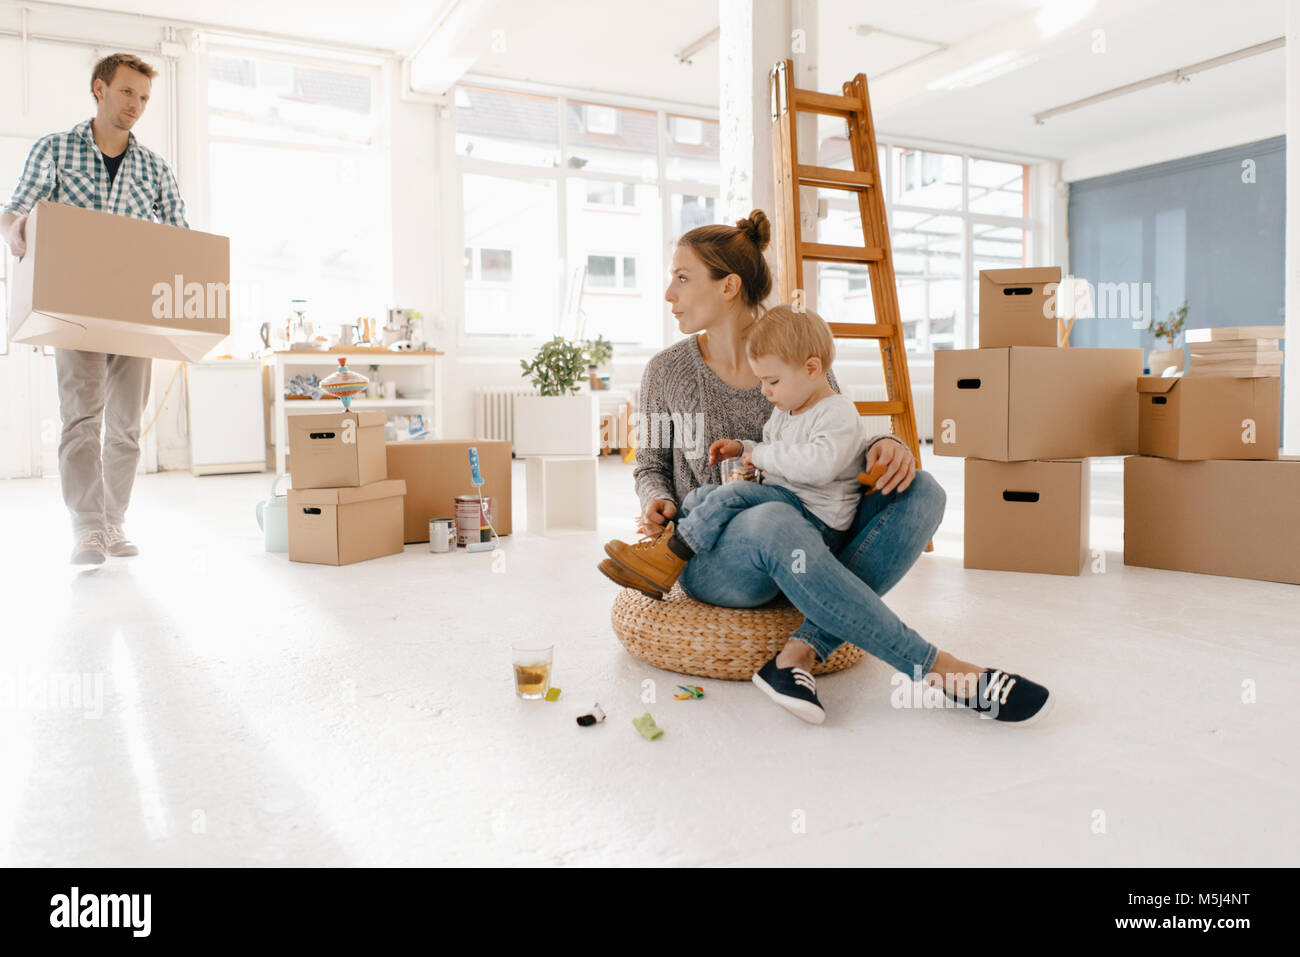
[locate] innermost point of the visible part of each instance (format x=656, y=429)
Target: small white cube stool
x=561, y=493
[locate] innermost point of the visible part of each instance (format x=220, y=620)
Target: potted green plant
x=560, y=419
x=1170, y=330
x=599, y=351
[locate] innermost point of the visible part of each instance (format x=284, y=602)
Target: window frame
x=488, y=346
x=476, y=267
x=1032, y=225
x=379, y=145
x=620, y=287
x=603, y=129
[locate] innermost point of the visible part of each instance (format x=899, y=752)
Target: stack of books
x=1244, y=352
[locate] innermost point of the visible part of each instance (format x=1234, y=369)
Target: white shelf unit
x=428, y=364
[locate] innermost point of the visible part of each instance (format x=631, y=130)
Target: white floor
x=233, y=708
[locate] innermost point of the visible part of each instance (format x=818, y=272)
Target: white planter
x=1161, y=359
x=557, y=424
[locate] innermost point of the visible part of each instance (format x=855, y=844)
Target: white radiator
x=922, y=405
x=494, y=408
x=494, y=416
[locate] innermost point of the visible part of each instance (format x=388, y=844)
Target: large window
x=513, y=281
x=298, y=179
x=576, y=192
x=950, y=215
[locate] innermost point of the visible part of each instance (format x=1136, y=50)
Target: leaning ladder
x=854, y=108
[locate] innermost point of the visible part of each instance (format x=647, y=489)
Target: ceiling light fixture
x=1181, y=75
x=866, y=30
x=685, y=53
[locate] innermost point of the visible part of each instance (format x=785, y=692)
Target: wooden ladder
x=854, y=108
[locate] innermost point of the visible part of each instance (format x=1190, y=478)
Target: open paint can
x=442, y=534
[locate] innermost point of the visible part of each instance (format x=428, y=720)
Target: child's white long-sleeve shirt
x=816, y=454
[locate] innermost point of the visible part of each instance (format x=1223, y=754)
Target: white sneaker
x=90, y=548
x=118, y=545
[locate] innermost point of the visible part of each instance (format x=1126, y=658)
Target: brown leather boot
x=621, y=576
x=652, y=560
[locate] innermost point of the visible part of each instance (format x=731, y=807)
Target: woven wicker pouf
x=683, y=635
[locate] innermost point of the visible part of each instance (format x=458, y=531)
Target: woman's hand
x=655, y=518
x=747, y=459
x=900, y=465
x=724, y=449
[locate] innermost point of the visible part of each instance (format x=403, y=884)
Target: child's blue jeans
x=707, y=510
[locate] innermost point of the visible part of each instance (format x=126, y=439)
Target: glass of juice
x=532, y=663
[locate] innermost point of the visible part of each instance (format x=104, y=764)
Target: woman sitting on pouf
x=703, y=389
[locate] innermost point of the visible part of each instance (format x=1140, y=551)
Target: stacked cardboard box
x=343, y=508
x=437, y=470
x=1027, y=414
x=1208, y=491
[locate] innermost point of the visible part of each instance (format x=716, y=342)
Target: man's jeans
x=771, y=548
x=97, y=479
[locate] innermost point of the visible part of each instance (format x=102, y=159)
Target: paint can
x=472, y=521
x=442, y=534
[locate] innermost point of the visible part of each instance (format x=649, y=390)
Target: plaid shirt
x=69, y=168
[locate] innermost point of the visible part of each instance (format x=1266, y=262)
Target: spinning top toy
x=344, y=384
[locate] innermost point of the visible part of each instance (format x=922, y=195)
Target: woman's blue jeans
x=771, y=548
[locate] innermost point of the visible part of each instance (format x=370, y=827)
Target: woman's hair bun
x=757, y=227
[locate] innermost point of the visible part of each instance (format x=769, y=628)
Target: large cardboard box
x=339, y=526
x=1027, y=516
x=1209, y=417
x=1234, y=518
x=1026, y=403
x=336, y=449
x=1017, y=308
x=104, y=283
x=437, y=470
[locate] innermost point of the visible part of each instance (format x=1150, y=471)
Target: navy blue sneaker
x=793, y=689
x=1003, y=696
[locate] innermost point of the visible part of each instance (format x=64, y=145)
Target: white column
x=753, y=36
x=1291, y=303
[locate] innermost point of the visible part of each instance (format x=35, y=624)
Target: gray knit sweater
x=685, y=407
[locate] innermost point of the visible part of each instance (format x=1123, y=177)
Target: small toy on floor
x=587, y=720
x=646, y=725
x=553, y=694
x=689, y=692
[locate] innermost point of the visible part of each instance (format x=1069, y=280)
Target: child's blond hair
x=793, y=336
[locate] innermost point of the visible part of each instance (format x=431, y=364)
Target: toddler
x=810, y=456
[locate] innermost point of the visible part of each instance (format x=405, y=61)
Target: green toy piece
x=646, y=725
x=553, y=694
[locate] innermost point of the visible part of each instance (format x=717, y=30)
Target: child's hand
x=724, y=449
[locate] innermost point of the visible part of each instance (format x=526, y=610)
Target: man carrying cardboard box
x=99, y=165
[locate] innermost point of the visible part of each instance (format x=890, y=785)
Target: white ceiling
x=1142, y=38
x=386, y=24
x=612, y=46
x=627, y=46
